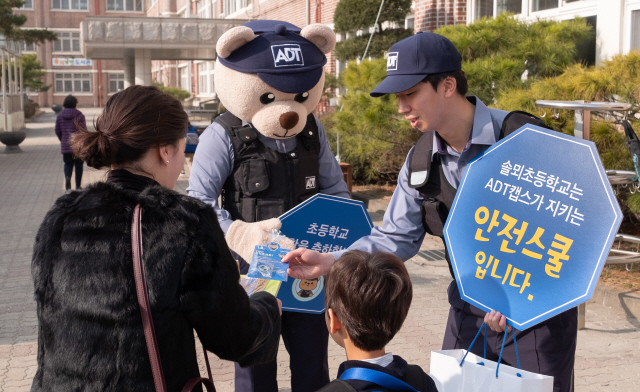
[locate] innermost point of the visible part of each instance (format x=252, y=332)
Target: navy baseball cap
x=415, y=57
x=267, y=25
x=281, y=58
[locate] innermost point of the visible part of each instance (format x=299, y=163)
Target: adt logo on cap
x=392, y=61
x=287, y=55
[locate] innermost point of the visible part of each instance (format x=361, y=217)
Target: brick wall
x=432, y=14
x=56, y=20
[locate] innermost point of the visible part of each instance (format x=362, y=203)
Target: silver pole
x=21, y=87
x=16, y=79
x=4, y=94
x=374, y=30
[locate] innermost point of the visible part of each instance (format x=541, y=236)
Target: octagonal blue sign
x=531, y=225
x=324, y=223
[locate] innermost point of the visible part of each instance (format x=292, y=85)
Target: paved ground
x=608, y=356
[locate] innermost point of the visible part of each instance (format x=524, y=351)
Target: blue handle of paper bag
x=515, y=344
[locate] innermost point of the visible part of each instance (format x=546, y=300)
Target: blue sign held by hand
x=323, y=223
x=531, y=226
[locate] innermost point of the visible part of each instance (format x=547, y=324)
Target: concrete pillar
x=143, y=67
x=129, y=71
x=169, y=8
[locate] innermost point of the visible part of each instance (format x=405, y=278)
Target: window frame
x=26, y=7
x=75, y=77
x=71, y=40
x=70, y=5
x=124, y=5
x=118, y=79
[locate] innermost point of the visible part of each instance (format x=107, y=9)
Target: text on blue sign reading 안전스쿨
x=560, y=245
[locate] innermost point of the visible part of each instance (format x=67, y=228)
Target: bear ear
x=321, y=35
x=233, y=39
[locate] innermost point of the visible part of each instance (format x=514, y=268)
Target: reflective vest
x=266, y=183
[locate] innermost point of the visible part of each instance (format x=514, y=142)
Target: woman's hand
x=279, y=306
x=496, y=321
x=308, y=264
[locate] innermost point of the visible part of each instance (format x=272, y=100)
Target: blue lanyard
x=383, y=379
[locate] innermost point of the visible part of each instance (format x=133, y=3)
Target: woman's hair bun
x=133, y=121
x=92, y=147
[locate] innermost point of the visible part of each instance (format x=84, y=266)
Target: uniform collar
x=482, y=131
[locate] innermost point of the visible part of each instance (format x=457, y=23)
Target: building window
x=541, y=5
x=635, y=30
x=116, y=83
x=511, y=6
x=69, y=4
x=28, y=5
x=409, y=23
x=231, y=6
x=484, y=8
x=184, y=78
x=204, y=9
x=73, y=83
x=26, y=47
x=67, y=42
x=124, y=5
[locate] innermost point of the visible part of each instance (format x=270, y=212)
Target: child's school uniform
x=392, y=365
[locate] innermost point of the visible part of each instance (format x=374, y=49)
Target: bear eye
x=267, y=98
x=301, y=97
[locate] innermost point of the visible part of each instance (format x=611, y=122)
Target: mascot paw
x=242, y=237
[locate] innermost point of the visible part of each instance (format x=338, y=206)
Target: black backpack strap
x=233, y=126
x=516, y=119
x=337, y=385
x=417, y=378
x=420, y=161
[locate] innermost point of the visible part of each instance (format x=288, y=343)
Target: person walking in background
x=192, y=138
x=67, y=124
x=90, y=330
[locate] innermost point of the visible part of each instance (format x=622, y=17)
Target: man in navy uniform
x=424, y=72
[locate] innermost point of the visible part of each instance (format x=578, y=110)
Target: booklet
x=252, y=285
x=266, y=262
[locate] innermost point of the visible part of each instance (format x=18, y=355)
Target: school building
x=173, y=41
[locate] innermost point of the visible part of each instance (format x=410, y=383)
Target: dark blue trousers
x=306, y=338
x=547, y=348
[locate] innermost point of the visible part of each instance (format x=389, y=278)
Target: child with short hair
x=367, y=297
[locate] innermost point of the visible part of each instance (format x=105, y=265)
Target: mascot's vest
x=427, y=177
x=265, y=183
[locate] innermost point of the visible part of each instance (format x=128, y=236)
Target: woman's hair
x=133, y=121
x=70, y=102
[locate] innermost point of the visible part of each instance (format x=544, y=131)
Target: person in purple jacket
x=67, y=123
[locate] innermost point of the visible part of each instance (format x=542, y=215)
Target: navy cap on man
x=415, y=57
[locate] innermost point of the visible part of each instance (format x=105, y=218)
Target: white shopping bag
x=479, y=374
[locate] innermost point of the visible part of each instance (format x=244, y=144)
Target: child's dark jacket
x=411, y=374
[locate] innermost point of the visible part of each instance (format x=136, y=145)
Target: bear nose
x=289, y=120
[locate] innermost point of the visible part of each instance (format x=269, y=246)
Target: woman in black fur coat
x=90, y=334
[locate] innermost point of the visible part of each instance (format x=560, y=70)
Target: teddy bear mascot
x=266, y=155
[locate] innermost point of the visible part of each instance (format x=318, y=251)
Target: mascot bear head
x=270, y=74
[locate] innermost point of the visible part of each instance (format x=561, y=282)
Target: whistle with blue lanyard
x=379, y=378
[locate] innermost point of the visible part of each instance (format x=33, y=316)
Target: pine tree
x=496, y=53
x=353, y=15
x=10, y=24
